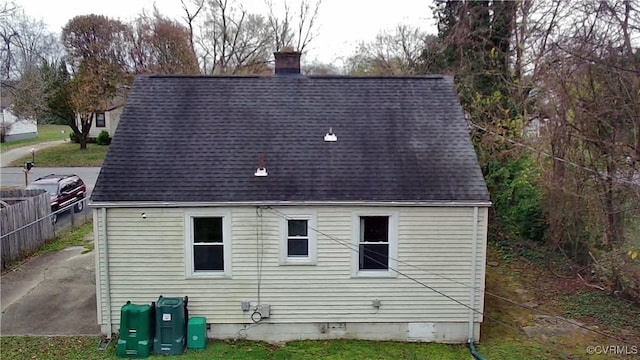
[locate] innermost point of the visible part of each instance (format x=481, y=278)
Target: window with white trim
x=376, y=237
x=208, y=244
x=100, y=120
x=298, y=240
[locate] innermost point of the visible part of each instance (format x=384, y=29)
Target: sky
x=342, y=24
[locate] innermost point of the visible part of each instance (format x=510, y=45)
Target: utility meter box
x=136, y=331
x=171, y=326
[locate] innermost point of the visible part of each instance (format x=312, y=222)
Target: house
x=292, y=207
x=105, y=120
x=12, y=127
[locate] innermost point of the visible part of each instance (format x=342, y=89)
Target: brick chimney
x=287, y=61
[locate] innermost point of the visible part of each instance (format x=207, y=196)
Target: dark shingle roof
x=198, y=139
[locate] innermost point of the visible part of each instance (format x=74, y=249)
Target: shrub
x=517, y=197
x=103, y=138
x=73, y=137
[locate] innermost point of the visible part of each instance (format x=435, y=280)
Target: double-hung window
x=100, y=119
x=208, y=244
x=298, y=239
x=376, y=237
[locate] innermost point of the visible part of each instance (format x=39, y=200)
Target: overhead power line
x=355, y=248
x=544, y=153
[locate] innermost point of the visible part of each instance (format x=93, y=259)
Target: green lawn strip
x=73, y=237
x=45, y=133
x=67, y=155
x=25, y=347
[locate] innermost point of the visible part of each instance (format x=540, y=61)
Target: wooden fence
x=25, y=223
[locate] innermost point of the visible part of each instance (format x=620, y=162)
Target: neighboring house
x=534, y=127
x=231, y=191
x=15, y=128
x=105, y=120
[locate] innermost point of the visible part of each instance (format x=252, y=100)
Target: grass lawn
x=45, y=133
x=85, y=348
x=67, y=155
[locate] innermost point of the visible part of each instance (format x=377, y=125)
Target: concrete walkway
x=10, y=156
x=53, y=294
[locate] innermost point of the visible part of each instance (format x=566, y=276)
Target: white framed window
x=376, y=240
x=298, y=238
x=100, y=119
x=208, y=243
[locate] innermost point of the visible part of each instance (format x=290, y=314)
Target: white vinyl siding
x=147, y=258
x=111, y=119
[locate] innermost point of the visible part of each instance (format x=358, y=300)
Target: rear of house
x=291, y=207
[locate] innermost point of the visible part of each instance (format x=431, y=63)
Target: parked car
x=64, y=191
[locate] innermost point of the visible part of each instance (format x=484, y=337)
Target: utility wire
x=352, y=247
x=541, y=152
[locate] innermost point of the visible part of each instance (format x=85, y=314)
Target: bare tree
x=26, y=43
x=293, y=28
x=586, y=75
x=190, y=17
x=394, y=52
x=231, y=40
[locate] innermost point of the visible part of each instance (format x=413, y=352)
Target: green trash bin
x=197, y=333
x=171, y=326
x=136, y=327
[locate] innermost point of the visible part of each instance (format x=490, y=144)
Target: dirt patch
x=552, y=326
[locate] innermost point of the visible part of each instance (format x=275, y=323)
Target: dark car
x=64, y=191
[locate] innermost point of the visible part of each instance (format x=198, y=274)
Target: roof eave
x=160, y=204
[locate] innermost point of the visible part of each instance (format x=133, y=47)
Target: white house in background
x=17, y=128
x=292, y=207
x=104, y=120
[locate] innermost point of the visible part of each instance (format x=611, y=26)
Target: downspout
x=107, y=287
x=474, y=263
x=472, y=291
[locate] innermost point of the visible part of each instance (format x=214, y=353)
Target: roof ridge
x=350, y=77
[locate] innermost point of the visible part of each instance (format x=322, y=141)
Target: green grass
x=607, y=309
x=67, y=155
x=45, y=133
x=72, y=237
x=85, y=348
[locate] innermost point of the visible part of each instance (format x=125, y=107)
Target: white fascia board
x=162, y=204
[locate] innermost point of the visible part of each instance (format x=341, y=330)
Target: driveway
x=10, y=156
x=53, y=294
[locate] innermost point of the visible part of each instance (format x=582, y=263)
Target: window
x=100, y=119
x=376, y=237
x=373, y=251
x=208, y=244
x=298, y=240
x=208, y=254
